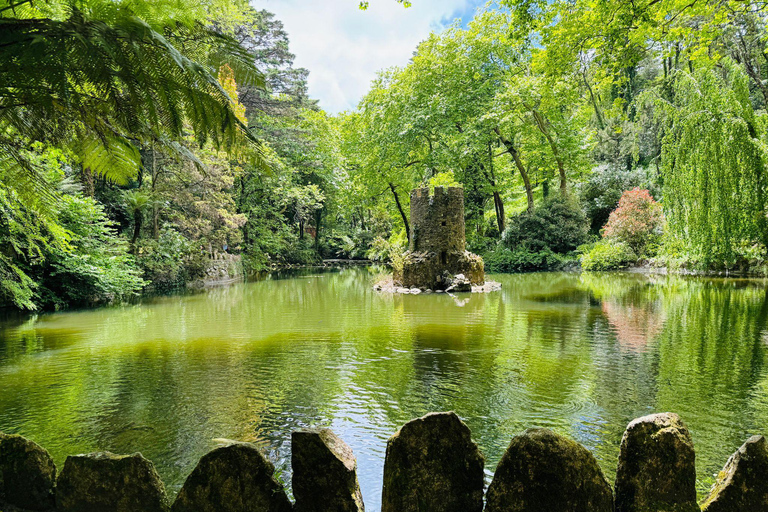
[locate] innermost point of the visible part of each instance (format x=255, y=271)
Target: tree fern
x=98, y=87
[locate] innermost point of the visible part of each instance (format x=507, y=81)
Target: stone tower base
x=427, y=269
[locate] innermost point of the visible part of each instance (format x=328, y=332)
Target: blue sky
x=344, y=47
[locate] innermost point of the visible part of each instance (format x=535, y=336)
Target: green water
x=581, y=354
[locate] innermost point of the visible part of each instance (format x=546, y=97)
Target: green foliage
x=100, y=78
x=606, y=255
x=70, y=255
x=714, y=159
x=523, y=259
x=95, y=266
x=355, y=244
x=557, y=225
x=171, y=260
x=443, y=179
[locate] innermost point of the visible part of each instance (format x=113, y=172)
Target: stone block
x=105, y=482
x=657, y=471
x=324, y=473
x=433, y=465
x=27, y=474
x=543, y=472
x=233, y=478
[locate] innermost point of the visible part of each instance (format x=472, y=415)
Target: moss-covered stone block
x=324, y=473
x=27, y=475
x=743, y=483
x=657, y=466
x=105, y=482
x=543, y=472
x=433, y=465
x=233, y=478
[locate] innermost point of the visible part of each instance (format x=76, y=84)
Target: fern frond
x=115, y=159
x=100, y=85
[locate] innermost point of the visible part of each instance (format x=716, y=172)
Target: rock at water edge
x=543, y=472
x=105, y=482
x=743, y=482
x=657, y=470
x=27, y=474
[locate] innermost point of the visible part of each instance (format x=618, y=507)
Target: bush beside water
x=606, y=255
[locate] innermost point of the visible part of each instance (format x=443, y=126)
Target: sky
x=343, y=47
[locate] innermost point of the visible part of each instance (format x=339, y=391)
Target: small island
x=437, y=259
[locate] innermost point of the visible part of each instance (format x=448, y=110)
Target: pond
x=581, y=354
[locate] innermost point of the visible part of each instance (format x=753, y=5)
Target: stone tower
x=437, y=221
x=438, y=244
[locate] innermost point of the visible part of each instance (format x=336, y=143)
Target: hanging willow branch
x=714, y=158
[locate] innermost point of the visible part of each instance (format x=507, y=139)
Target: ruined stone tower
x=438, y=245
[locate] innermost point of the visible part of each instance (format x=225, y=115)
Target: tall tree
x=714, y=163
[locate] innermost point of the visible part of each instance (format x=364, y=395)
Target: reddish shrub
x=637, y=221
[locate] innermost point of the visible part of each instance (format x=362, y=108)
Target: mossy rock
x=27, y=475
x=233, y=478
x=433, y=464
x=743, y=483
x=657, y=466
x=324, y=473
x=105, y=482
x=543, y=472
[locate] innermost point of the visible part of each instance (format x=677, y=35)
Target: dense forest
x=144, y=142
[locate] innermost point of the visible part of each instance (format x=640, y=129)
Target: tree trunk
x=544, y=129
x=318, y=222
x=498, y=204
x=598, y=112
x=137, y=218
x=512, y=150
x=402, y=212
x=88, y=180
x=155, y=208
x=752, y=68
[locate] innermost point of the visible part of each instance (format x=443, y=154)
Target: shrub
x=601, y=192
x=637, y=221
x=606, y=255
x=95, y=267
x=171, y=260
x=388, y=250
x=505, y=260
x=302, y=253
x=350, y=245
x=558, y=225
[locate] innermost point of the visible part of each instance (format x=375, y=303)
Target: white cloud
x=343, y=47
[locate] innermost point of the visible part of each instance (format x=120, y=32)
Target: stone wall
x=431, y=464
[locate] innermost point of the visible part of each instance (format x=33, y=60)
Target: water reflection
x=582, y=354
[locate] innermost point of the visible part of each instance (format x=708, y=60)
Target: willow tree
x=714, y=158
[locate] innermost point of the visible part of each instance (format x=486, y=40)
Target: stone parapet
x=431, y=465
